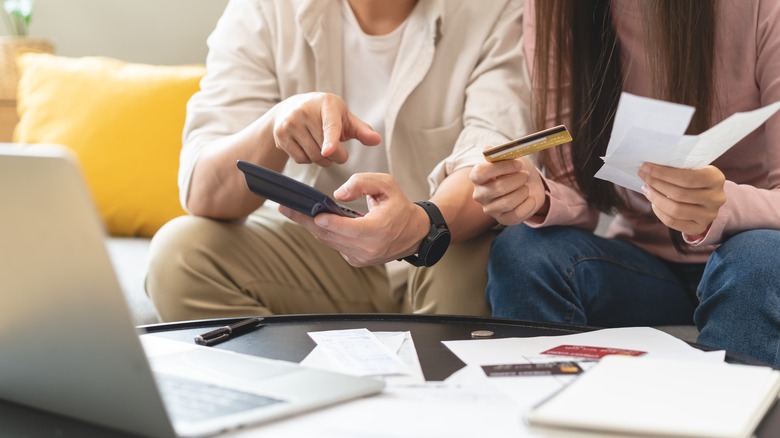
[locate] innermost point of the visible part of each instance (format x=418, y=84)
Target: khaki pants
x=201, y=268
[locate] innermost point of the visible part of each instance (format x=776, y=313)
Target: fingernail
x=321, y=220
x=644, y=170
x=645, y=190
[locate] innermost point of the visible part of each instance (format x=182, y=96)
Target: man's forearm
x=464, y=216
x=217, y=188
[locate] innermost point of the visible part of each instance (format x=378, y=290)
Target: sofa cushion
x=123, y=120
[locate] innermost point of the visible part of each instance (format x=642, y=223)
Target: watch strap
x=433, y=213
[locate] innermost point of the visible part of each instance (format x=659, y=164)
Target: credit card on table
x=529, y=144
x=533, y=369
x=589, y=352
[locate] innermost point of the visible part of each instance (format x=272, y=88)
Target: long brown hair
x=577, y=62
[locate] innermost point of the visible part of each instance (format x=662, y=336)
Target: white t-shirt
x=368, y=67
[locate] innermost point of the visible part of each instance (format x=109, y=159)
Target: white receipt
x=359, y=352
x=650, y=130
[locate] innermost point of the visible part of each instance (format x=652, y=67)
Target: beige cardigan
x=459, y=84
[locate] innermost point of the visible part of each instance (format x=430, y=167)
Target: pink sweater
x=747, y=60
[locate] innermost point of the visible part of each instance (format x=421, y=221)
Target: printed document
x=390, y=356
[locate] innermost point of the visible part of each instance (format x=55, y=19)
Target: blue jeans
x=567, y=275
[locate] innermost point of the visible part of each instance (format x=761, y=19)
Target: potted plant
x=18, y=14
x=16, y=17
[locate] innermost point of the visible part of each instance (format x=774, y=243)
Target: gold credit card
x=529, y=144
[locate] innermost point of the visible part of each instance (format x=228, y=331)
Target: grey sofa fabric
x=129, y=257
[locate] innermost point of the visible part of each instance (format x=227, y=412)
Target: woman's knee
x=522, y=260
x=513, y=244
x=759, y=241
x=740, y=294
x=748, y=254
x=538, y=247
x=741, y=274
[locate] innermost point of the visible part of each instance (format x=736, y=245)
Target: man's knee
x=175, y=259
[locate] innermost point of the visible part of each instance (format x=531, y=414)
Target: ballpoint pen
x=224, y=333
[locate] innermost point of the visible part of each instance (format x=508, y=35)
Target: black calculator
x=291, y=193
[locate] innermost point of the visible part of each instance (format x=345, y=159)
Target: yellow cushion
x=124, y=122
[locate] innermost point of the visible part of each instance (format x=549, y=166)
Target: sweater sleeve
x=240, y=84
x=757, y=206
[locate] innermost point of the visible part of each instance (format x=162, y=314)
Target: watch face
x=435, y=244
x=437, y=247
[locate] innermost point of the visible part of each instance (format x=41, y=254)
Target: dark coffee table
x=285, y=337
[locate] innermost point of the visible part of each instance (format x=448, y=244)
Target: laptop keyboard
x=192, y=400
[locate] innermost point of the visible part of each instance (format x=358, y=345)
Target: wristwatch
x=434, y=245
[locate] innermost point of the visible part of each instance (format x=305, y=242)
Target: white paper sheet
x=510, y=350
x=650, y=130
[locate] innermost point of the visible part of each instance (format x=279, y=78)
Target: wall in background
x=149, y=31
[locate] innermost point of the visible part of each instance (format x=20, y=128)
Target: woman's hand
x=510, y=191
x=686, y=200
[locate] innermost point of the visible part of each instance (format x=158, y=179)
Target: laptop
x=67, y=341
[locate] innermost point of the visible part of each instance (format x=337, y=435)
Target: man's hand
x=310, y=128
x=510, y=191
x=686, y=200
x=393, y=227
